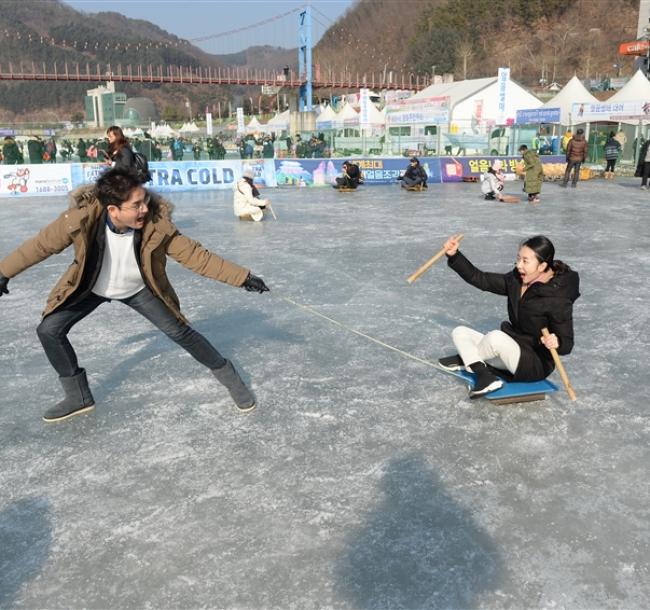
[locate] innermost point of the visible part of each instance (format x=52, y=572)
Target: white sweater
x=490, y=183
x=119, y=277
x=244, y=199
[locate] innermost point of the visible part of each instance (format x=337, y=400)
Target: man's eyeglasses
x=141, y=206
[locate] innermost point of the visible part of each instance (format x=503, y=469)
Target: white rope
x=356, y=332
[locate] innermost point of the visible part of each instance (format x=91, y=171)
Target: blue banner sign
x=538, y=115
x=169, y=176
x=323, y=172
x=460, y=169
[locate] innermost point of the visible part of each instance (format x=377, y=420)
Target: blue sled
x=512, y=391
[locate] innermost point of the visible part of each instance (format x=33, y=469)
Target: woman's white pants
x=496, y=348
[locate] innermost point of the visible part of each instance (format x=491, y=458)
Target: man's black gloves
x=255, y=284
x=3, y=284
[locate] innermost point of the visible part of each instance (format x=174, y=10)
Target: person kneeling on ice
x=541, y=292
x=122, y=235
x=414, y=175
x=351, y=177
x=247, y=203
x=492, y=184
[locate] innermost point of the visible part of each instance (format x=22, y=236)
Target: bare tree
x=465, y=52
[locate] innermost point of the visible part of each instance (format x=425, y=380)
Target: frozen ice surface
x=363, y=480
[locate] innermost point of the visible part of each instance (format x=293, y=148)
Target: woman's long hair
x=120, y=139
x=545, y=252
x=256, y=193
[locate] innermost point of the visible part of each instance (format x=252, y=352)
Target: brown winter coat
x=577, y=149
x=159, y=239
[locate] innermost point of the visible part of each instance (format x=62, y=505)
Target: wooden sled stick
x=268, y=205
x=411, y=278
x=560, y=369
x=510, y=199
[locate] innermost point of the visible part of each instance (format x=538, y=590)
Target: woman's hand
x=550, y=341
x=451, y=245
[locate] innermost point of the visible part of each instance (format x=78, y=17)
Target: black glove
x=3, y=284
x=255, y=284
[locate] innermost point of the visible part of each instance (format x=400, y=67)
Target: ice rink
x=363, y=479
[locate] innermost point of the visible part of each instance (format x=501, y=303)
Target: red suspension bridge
x=206, y=76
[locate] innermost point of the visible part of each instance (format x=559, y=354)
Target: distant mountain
x=49, y=31
x=261, y=58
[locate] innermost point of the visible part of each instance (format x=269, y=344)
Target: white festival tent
x=280, y=122
x=189, y=128
x=376, y=117
x=348, y=116
x=636, y=89
x=163, y=131
x=133, y=133
x=327, y=119
x=253, y=126
x=466, y=95
x=572, y=93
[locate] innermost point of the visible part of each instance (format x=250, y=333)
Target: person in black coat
x=351, y=177
x=120, y=154
x=35, y=149
x=541, y=292
x=643, y=165
x=414, y=175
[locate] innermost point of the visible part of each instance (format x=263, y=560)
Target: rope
x=243, y=29
x=354, y=331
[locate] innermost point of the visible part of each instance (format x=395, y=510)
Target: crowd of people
x=36, y=150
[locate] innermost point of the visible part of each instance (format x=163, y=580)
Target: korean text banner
x=323, y=172
x=503, y=81
x=538, y=115
x=603, y=111
x=431, y=110
x=457, y=169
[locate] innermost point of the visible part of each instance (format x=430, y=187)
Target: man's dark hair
x=580, y=132
x=115, y=186
x=523, y=148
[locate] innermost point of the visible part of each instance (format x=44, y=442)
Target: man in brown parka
x=576, y=154
x=122, y=235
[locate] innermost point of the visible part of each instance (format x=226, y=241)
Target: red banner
x=638, y=47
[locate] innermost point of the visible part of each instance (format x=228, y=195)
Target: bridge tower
x=304, y=58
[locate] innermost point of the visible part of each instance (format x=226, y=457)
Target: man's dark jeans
x=575, y=165
x=54, y=328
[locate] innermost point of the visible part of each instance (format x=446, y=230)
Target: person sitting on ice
x=492, y=184
x=247, y=203
x=414, y=175
x=351, y=177
x=541, y=291
x=122, y=235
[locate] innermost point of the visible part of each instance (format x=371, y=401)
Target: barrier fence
x=175, y=176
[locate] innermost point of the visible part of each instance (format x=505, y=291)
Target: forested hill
x=50, y=31
x=472, y=38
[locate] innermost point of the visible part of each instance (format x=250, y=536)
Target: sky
x=198, y=18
